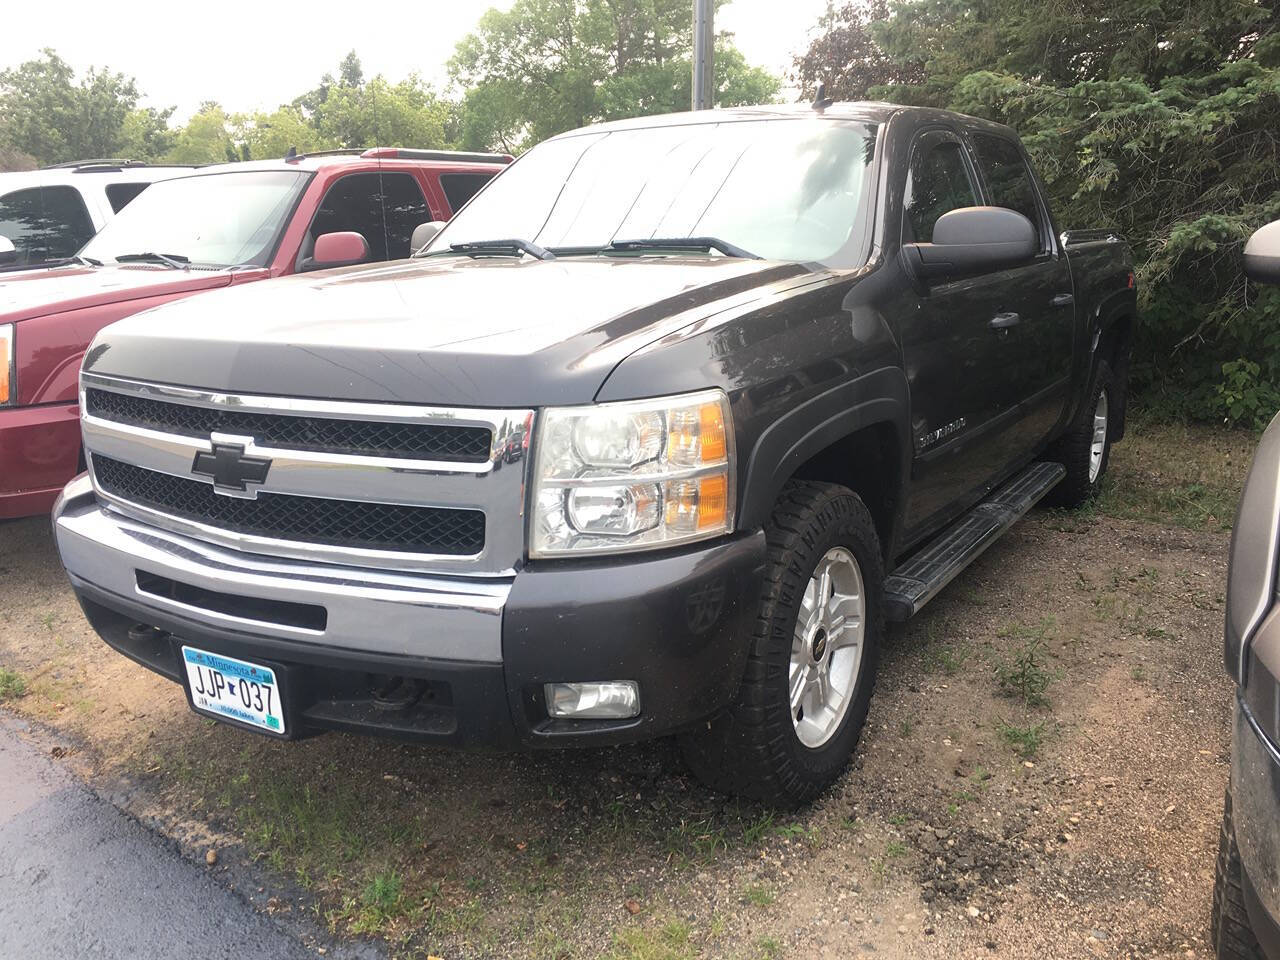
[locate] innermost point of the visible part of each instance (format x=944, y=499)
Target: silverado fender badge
x=933, y=436
x=230, y=469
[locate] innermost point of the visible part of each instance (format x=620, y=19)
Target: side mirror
x=338, y=250
x=1262, y=254
x=974, y=240
x=8, y=252
x=423, y=234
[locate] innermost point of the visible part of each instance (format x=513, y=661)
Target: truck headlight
x=634, y=475
x=8, y=386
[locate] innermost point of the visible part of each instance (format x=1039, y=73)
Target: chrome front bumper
x=374, y=611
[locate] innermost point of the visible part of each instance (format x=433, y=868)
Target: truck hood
x=488, y=332
x=37, y=293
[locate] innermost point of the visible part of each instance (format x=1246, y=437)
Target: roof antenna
x=292, y=154
x=822, y=101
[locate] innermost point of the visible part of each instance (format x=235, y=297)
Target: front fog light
x=612, y=700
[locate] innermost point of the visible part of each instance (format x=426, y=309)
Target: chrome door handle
x=1003, y=321
x=1063, y=300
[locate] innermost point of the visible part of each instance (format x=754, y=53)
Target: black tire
x=1230, y=933
x=752, y=749
x=1073, y=448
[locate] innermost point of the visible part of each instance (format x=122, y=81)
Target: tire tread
x=744, y=752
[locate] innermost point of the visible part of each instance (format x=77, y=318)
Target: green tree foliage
x=1154, y=118
x=262, y=136
x=46, y=113
x=546, y=66
x=205, y=139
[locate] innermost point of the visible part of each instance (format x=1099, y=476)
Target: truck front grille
x=343, y=523
x=421, y=441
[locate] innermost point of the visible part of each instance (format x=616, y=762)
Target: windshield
x=782, y=189
x=223, y=219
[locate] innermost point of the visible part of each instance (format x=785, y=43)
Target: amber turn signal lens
x=713, y=501
x=711, y=429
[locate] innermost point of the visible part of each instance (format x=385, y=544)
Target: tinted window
x=357, y=202
x=45, y=223
x=119, y=194
x=783, y=189
x=461, y=187
x=936, y=184
x=1007, y=176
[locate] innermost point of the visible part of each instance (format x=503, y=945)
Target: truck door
x=957, y=363
x=1039, y=294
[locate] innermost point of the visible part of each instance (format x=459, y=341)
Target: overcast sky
x=258, y=55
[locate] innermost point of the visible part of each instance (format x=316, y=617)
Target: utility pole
x=704, y=42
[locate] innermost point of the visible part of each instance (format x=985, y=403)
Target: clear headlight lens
x=635, y=475
x=8, y=389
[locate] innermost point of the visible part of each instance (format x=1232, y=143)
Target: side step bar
x=920, y=578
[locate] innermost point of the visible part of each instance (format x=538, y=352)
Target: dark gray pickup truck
x=650, y=440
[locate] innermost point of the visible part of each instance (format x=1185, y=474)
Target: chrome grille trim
x=495, y=486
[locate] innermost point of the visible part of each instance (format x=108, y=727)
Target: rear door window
x=1008, y=177
x=937, y=183
x=45, y=223
x=119, y=194
x=461, y=187
x=383, y=208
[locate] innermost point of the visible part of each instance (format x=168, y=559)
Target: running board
x=920, y=578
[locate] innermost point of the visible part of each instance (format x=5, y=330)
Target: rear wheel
x=1085, y=449
x=811, y=668
x=1229, y=931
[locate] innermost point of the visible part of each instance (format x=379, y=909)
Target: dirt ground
x=1041, y=775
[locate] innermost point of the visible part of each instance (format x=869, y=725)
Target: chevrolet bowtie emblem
x=231, y=470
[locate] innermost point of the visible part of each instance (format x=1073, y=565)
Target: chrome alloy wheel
x=1099, y=444
x=826, y=651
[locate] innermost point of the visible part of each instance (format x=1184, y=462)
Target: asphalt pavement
x=78, y=878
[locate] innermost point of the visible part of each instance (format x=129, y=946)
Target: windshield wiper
x=481, y=248
x=682, y=243
x=175, y=261
x=88, y=261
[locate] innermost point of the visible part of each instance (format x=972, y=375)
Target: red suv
x=228, y=224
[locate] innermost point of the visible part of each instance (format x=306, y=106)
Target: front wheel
x=1230, y=934
x=812, y=664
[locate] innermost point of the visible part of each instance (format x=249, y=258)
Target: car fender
x=878, y=397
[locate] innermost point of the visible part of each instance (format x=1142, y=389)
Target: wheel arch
x=855, y=434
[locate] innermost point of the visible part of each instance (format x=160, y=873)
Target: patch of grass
x=668, y=942
x=757, y=895
x=1025, y=739
x=758, y=829
x=1138, y=672
x=1186, y=475
x=894, y=849
x=946, y=658
x=1023, y=675
x=939, y=655
x=12, y=686
x=904, y=728
x=697, y=840
x=382, y=901
x=769, y=948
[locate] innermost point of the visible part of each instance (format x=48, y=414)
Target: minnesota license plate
x=232, y=689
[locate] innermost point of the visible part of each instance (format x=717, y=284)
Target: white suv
x=49, y=214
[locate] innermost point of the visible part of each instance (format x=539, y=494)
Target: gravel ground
x=1041, y=776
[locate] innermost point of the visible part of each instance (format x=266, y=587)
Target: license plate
x=232, y=689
